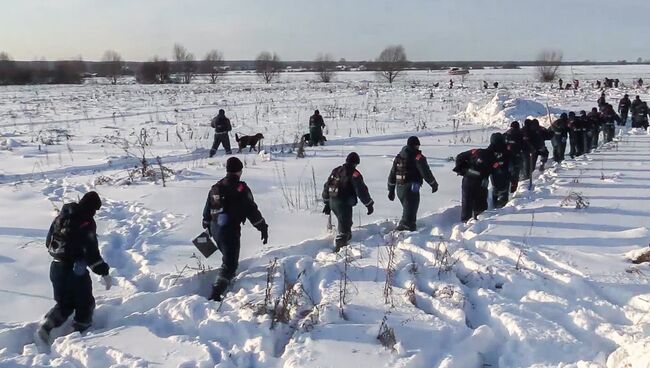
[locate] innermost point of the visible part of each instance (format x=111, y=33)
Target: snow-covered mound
x=7, y=144
x=502, y=110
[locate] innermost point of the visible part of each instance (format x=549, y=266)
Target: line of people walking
x=510, y=157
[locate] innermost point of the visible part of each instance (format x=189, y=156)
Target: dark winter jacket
x=624, y=105
x=316, y=121
x=84, y=244
x=232, y=197
x=476, y=163
x=350, y=186
x=416, y=169
x=560, y=127
x=221, y=124
x=514, y=140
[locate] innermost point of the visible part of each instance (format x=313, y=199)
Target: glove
x=205, y=224
x=391, y=195
x=107, y=281
x=101, y=269
x=371, y=209
x=265, y=234
x=327, y=210
x=434, y=187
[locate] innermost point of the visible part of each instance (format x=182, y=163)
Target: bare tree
x=325, y=67
x=155, y=71
x=391, y=62
x=548, y=63
x=184, y=63
x=112, y=65
x=213, y=64
x=267, y=66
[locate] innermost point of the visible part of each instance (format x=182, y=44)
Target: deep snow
x=533, y=284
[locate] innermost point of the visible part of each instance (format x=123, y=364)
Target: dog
x=306, y=139
x=248, y=140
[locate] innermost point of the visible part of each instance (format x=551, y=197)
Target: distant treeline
x=163, y=71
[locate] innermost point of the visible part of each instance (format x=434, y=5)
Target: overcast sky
x=353, y=29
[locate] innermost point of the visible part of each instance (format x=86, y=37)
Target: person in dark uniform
x=634, y=110
x=230, y=202
x=222, y=128
x=576, y=135
x=624, y=108
x=72, y=243
x=475, y=166
x=316, y=125
x=541, y=135
x=596, y=123
x=410, y=169
x=602, y=101
x=609, y=118
x=588, y=129
x=343, y=187
x=560, y=129
x=528, y=148
x=501, y=170
x=515, y=142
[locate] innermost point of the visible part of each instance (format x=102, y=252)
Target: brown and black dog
x=248, y=140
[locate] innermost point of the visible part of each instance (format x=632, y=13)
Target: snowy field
x=537, y=283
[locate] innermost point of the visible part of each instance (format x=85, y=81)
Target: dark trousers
x=542, y=155
x=474, y=197
x=316, y=136
x=220, y=139
x=589, y=137
x=409, y=196
x=343, y=213
x=527, y=168
x=73, y=294
x=609, y=131
x=623, y=121
x=577, y=143
x=516, y=171
x=559, y=147
x=500, y=188
x=594, y=138
x=228, y=239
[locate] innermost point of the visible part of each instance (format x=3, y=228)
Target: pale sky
x=604, y=30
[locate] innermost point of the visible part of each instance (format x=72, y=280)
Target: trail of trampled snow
x=533, y=284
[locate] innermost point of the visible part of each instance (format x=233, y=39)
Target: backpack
x=404, y=169
x=64, y=243
x=339, y=183
x=218, y=199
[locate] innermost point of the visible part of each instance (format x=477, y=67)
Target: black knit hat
x=413, y=141
x=514, y=124
x=91, y=201
x=353, y=159
x=234, y=165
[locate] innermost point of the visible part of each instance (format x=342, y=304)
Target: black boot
x=219, y=288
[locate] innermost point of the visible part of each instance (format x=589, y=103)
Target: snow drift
x=502, y=110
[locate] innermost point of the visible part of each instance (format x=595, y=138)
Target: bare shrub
x=111, y=66
x=325, y=67
x=548, y=64
x=391, y=62
x=575, y=199
x=386, y=334
x=391, y=245
x=213, y=65
x=267, y=66
x=287, y=302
